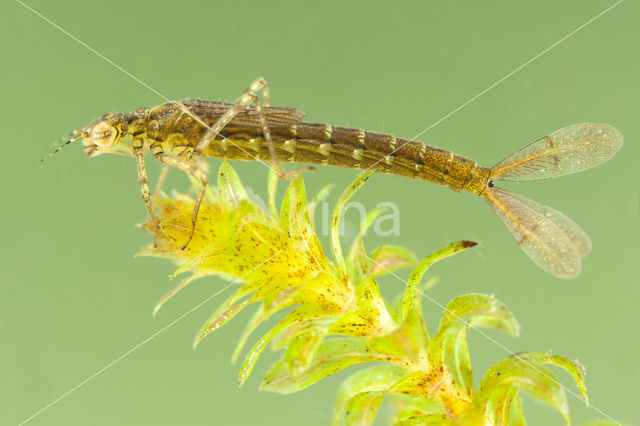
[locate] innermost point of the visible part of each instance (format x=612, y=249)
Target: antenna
x=72, y=139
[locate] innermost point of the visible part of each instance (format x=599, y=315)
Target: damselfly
x=178, y=133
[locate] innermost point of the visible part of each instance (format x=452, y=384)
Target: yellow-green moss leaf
x=335, y=221
x=230, y=188
x=217, y=321
x=331, y=356
x=250, y=360
x=426, y=420
x=301, y=349
x=407, y=343
x=362, y=408
x=448, y=349
x=378, y=378
x=387, y=259
x=521, y=371
x=411, y=291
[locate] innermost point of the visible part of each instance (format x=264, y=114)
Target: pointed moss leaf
x=317, y=324
x=301, y=350
x=371, y=318
x=576, y=370
x=248, y=215
x=230, y=188
x=498, y=410
x=298, y=232
x=335, y=220
x=317, y=199
x=436, y=386
x=246, y=211
x=326, y=293
x=228, y=304
x=272, y=191
x=253, y=323
x=362, y=324
x=429, y=419
x=273, y=304
x=448, y=349
x=393, y=312
x=368, y=297
x=457, y=359
x=176, y=289
x=176, y=228
x=387, y=259
x=218, y=321
x=294, y=205
x=199, y=253
x=270, y=305
x=369, y=220
x=404, y=407
x=237, y=295
x=326, y=296
x=413, y=284
x=480, y=309
x=407, y=343
x=429, y=283
x=450, y=250
x=297, y=315
x=258, y=220
x=523, y=372
x=358, y=263
x=378, y=378
x=253, y=355
x=274, y=301
x=331, y=356
x=362, y=408
x=516, y=415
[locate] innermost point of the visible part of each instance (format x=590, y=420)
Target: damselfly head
x=103, y=134
x=100, y=136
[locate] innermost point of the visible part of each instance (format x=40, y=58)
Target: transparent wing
x=541, y=239
x=568, y=150
x=578, y=237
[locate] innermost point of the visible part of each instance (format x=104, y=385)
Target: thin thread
x=136, y=347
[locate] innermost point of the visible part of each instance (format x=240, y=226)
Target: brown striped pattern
x=174, y=131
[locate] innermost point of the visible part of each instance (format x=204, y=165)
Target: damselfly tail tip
x=72, y=138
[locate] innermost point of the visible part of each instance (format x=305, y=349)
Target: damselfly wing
x=549, y=238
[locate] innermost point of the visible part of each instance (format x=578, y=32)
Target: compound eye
x=103, y=134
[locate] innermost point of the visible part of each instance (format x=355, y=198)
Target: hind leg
x=195, y=172
x=161, y=178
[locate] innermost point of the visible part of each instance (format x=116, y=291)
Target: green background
x=74, y=299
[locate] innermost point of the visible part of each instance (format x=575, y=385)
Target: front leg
x=138, y=145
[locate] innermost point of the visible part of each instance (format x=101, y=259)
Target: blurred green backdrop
x=74, y=299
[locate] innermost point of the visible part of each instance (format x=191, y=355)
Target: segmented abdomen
x=323, y=144
x=356, y=148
